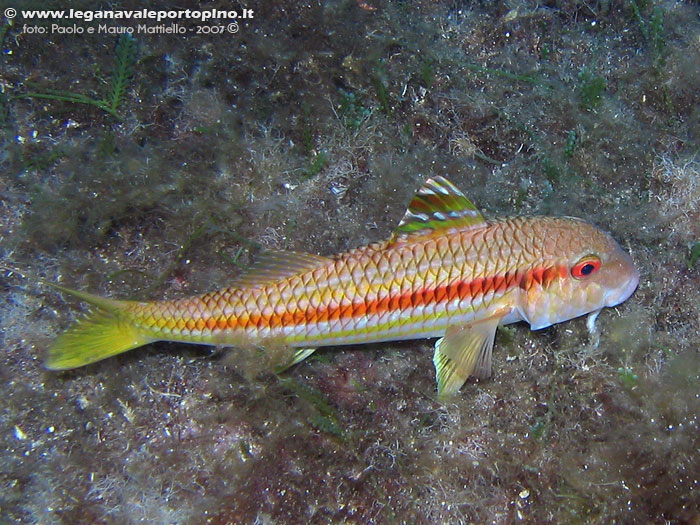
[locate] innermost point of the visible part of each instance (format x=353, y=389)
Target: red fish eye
x=585, y=267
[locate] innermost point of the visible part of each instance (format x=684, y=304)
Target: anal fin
x=299, y=355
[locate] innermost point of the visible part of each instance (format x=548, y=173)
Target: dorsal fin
x=438, y=205
x=275, y=265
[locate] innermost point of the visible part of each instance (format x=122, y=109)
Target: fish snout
x=626, y=277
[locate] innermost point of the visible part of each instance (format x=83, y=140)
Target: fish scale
x=445, y=272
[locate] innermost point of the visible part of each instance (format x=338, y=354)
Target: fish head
x=580, y=269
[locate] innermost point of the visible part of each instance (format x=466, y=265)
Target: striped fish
x=445, y=272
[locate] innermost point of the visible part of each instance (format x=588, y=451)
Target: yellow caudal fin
x=102, y=333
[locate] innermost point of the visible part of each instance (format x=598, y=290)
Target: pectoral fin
x=463, y=352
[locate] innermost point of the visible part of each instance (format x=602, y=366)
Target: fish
x=446, y=272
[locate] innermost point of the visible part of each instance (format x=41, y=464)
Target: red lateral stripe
x=461, y=290
x=543, y=276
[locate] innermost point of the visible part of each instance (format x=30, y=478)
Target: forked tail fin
x=102, y=333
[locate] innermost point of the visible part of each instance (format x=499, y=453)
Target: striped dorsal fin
x=438, y=205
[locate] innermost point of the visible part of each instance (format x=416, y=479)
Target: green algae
x=694, y=255
x=591, y=88
x=326, y=417
x=124, y=60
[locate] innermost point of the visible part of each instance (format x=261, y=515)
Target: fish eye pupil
x=587, y=269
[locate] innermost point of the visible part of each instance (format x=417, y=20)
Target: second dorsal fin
x=438, y=205
x=275, y=265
